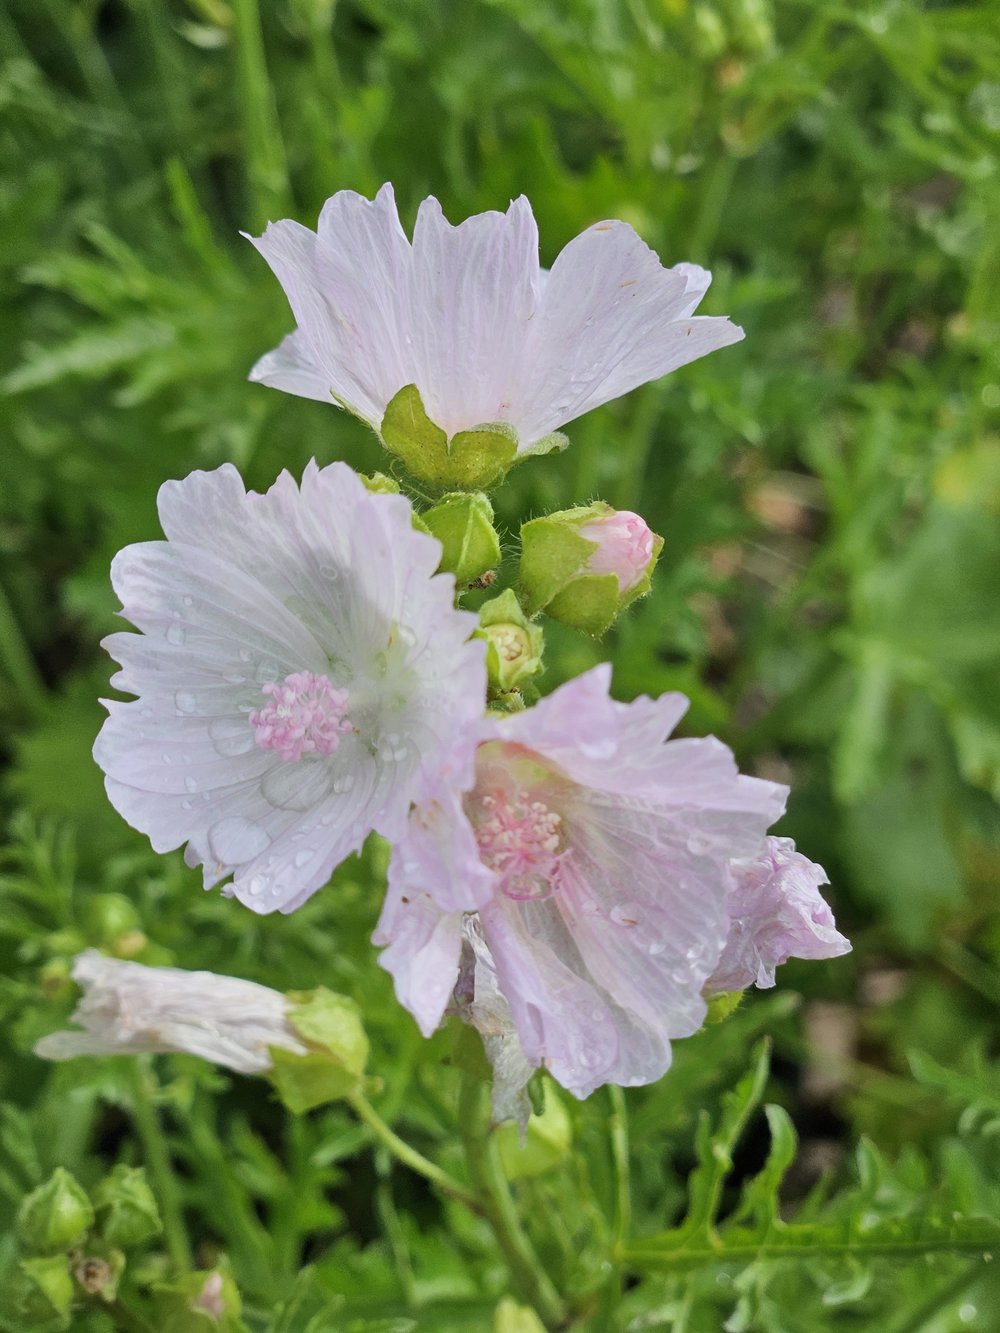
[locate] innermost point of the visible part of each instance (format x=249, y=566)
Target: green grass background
x=828, y=594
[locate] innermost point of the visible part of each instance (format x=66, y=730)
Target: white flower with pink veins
x=468, y=315
x=302, y=677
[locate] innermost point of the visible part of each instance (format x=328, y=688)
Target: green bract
x=330, y=1025
x=463, y=524
x=472, y=460
x=126, y=1207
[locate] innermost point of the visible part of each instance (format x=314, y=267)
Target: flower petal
x=474, y=292
x=292, y=367
x=421, y=950
x=612, y=318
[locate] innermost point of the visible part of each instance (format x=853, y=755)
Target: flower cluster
x=566, y=875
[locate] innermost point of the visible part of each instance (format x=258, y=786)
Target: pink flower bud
x=625, y=547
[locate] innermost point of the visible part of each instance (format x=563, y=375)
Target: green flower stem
x=409, y=1156
x=531, y=1281
x=164, y=1182
x=618, y=1132
x=797, y=1242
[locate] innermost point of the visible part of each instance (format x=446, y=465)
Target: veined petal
x=612, y=318
x=292, y=367
x=473, y=294
x=422, y=945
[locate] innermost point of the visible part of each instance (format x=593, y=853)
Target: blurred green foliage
x=828, y=595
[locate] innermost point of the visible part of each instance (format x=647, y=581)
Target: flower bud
x=41, y=1292
x=513, y=643
x=56, y=1216
x=463, y=524
x=126, y=1207
x=336, y=1051
x=472, y=460
x=200, y=1301
x=509, y=1317
x=584, y=566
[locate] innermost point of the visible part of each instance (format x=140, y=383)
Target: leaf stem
x=153, y=1140
x=410, y=1157
x=530, y=1279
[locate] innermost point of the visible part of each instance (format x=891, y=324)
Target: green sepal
x=472, y=460
x=43, y=1291
x=331, y=1027
x=547, y=1141
x=56, y=1216
x=514, y=645
x=548, y=444
x=379, y=484
x=126, y=1207
x=589, y=602
x=721, y=1006
x=463, y=524
x=552, y=553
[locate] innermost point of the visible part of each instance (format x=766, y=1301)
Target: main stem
x=532, y=1282
x=147, y=1123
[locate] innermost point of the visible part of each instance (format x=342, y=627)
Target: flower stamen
x=522, y=840
x=305, y=714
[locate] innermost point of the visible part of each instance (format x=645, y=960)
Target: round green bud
x=56, y=1216
x=513, y=644
x=463, y=524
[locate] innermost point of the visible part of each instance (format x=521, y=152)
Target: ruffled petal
x=473, y=296
x=612, y=318
x=776, y=912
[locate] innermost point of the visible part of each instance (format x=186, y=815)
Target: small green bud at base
x=56, y=1216
x=513, y=644
x=126, y=1207
x=472, y=460
x=463, y=524
x=200, y=1302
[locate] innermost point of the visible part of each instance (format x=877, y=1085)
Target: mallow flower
x=127, y=1008
x=597, y=856
x=302, y=676
x=465, y=315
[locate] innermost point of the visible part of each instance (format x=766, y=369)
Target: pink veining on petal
x=624, y=547
x=522, y=840
x=305, y=714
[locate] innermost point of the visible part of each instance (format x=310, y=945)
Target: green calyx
x=332, y=1067
x=554, y=576
x=126, y=1207
x=513, y=644
x=471, y=460
x=56, y=1216
x=463, y=524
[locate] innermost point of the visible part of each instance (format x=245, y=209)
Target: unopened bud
x=513, y=643
x=463, y=524
x=56, y=1216
x=41, y=1292
x=199, y=1303
x=126, y=1207
x=584, y=566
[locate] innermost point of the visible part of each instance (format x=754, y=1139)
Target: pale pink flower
x=596, y=853
x=776, y=912
x=467, y=315
x=127, y=1009
x=625, y=547
x=302, y=676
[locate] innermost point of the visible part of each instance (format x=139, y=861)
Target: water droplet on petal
x=231, y=736
x=185, y=701
x=166, y=758
x=257, y=885
x=656, y=947
x=303, y=858
x=188, y=601
x=175, y=634
x=190, y=783
x=236, y=840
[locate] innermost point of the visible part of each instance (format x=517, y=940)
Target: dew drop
x=187, y=804
x=231, y=736
x=188, y=601
x=257, y=885
x=185, y=701
x=175, y=634
x=236, y=840
x=341, y=785
x=190, y=784
x=303, y=858
x=166, y=758
x=656, y=947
